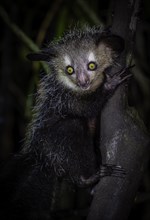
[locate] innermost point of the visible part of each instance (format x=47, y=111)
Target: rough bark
x=124, y=140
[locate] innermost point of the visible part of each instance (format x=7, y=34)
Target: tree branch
x=124, y=140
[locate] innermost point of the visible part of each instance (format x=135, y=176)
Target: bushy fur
x=59, y=143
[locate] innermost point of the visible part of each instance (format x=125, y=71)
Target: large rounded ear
x=115, y=42
x=43, y=55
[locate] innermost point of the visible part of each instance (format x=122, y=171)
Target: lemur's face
x=80, y=58
x=81, y=67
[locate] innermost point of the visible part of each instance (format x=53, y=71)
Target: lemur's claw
x=105, y=170
x=112, y=81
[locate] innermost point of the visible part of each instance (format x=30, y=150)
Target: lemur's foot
x=105, y=170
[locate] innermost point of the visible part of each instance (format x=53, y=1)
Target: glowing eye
x=92, y=66
x=70, y=70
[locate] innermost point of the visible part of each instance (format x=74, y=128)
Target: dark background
x=43, y=21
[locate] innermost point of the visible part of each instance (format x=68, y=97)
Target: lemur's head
x=80, y=58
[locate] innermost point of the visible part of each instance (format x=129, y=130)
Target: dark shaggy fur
x=59, y=142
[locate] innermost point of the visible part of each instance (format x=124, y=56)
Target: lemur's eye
x=92, y=66
x=70, y=70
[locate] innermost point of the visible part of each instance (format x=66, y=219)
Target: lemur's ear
x=115, y=42
x=43, y=55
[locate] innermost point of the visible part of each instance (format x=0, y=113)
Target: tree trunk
x=124, y=140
